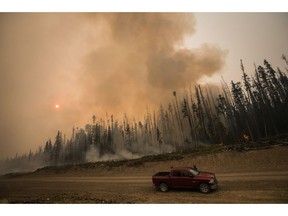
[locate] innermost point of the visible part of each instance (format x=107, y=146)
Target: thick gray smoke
x=94, y=155
x=140, y=61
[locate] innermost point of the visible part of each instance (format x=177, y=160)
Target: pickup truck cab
x=185, y=177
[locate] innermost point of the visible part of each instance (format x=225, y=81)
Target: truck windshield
x=194, y=172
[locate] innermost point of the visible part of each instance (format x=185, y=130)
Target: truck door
x=187, y=180
x=181, y=179
x=175, y=179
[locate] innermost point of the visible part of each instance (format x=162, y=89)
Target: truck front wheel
x=204, y=188
x=163, y=187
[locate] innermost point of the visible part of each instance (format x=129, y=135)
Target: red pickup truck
x=185, y=177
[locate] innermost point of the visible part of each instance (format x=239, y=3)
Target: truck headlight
x=211, y=181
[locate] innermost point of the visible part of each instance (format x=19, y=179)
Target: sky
x=115, y=63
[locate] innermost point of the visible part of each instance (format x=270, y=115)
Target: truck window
x=194, y=172
x=187, y=173
x=176, y=173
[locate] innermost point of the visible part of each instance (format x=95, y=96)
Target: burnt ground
x=245, y=175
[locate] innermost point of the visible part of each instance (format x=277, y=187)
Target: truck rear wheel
x=163, y=187
x=204, y=188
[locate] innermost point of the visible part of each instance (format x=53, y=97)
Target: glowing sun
x=57, y=106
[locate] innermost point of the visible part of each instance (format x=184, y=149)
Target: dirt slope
x=274, y=158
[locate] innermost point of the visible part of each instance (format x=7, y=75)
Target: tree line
x=254, y=108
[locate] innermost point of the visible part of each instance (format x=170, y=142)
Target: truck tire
x=163, y=187
x=204, y=188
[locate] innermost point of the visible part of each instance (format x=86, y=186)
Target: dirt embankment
x=253, y=176
x=218, y=160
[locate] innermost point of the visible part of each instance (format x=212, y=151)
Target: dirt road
x=259, y=176
x=244, y=187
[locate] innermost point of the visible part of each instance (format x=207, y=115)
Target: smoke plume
x=140, y=62
x=93, y=63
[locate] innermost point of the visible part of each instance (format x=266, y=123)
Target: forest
x=241, y=112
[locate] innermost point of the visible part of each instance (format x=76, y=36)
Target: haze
x=106, y=63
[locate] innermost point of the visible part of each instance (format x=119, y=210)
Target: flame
x=246, y=137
